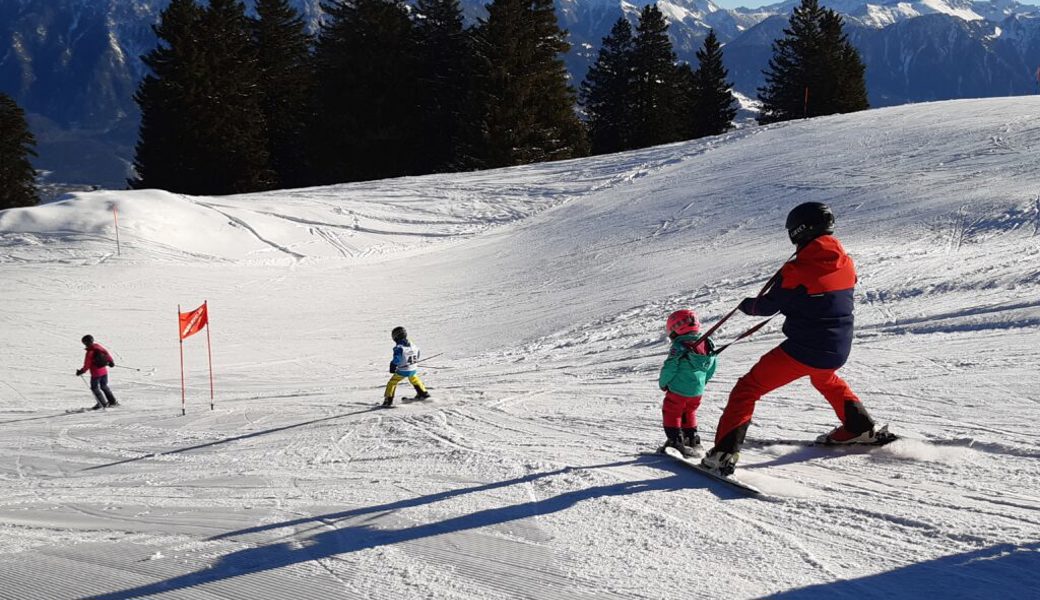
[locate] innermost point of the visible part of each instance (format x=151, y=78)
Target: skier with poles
x=97, y=361
x=402, y=366
x=814, y=292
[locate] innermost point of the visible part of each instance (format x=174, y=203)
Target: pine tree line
x=636, y=94
x=814, y=71
x=17, y=176
x=238, y=103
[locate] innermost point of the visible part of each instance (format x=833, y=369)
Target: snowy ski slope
x=545, y=287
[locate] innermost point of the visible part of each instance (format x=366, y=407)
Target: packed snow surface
x=539, y=294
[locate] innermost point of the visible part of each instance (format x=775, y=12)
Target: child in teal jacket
x=688, y=368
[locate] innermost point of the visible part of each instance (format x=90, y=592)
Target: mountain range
x=75, y=64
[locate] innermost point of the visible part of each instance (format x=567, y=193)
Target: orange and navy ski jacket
x=815, y=295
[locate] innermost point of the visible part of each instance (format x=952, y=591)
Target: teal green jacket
x=686, y=372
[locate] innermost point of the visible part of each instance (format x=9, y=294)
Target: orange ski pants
x=776, y=369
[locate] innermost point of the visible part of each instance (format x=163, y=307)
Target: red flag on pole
x=192, y=322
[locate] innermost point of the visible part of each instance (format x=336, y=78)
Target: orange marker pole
x=180, y=340
x=115, y=215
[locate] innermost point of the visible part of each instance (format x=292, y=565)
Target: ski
x=405, y=400
x=727, y=479
x=883, y=437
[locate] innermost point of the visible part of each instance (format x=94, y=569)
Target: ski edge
x=731, y=481
x=885, y=437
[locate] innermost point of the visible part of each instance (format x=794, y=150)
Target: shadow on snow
x=236, y=438
x=1005, y=570
x=332, y=540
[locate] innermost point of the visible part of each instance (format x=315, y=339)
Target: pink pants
x=680, y=411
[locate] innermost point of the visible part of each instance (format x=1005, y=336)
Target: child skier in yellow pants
x=403, y=367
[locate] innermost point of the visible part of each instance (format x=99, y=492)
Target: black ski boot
x=388, y=402
x=421, y=394
x=675, y=440
x=691, y=437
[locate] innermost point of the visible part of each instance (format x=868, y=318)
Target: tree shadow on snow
x=332, y=540
x=1005, y=570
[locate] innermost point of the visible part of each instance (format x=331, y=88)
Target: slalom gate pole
x=115, y=216
x=765, y=288
x=209, y=351
x=181, y=342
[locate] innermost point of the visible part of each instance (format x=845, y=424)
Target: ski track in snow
x=545, y=287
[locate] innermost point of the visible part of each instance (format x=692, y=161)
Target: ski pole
x=429, y=357
x=85, y=382
x=131, y=368
x=765, y=288
x=742, y=336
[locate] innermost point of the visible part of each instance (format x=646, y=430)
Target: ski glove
x=393, y=367
x=111, y=363
x=79, y=371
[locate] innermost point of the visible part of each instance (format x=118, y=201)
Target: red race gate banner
x=192, y=322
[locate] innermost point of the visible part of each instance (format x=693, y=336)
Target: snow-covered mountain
x=544, y=289
x=74, y=64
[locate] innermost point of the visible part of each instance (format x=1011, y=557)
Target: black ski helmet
x=88, y=340
x=808, y=221
x=399, y=334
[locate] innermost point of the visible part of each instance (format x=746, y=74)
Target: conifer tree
x=165, y=96
x=445, y=84
x=657, y=105
x=285, y=85
x=366, y=92
x=606, y=93
x=814, y=69
x=847, y=70
x=526, y=106
x=714, y=104
x=234, y=157
x=202, y=130
x=17, y=176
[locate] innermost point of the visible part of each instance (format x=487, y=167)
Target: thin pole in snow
x=180, y=341
x=115, y=216
x=209, y=350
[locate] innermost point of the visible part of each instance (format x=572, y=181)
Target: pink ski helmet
x=682, y=322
